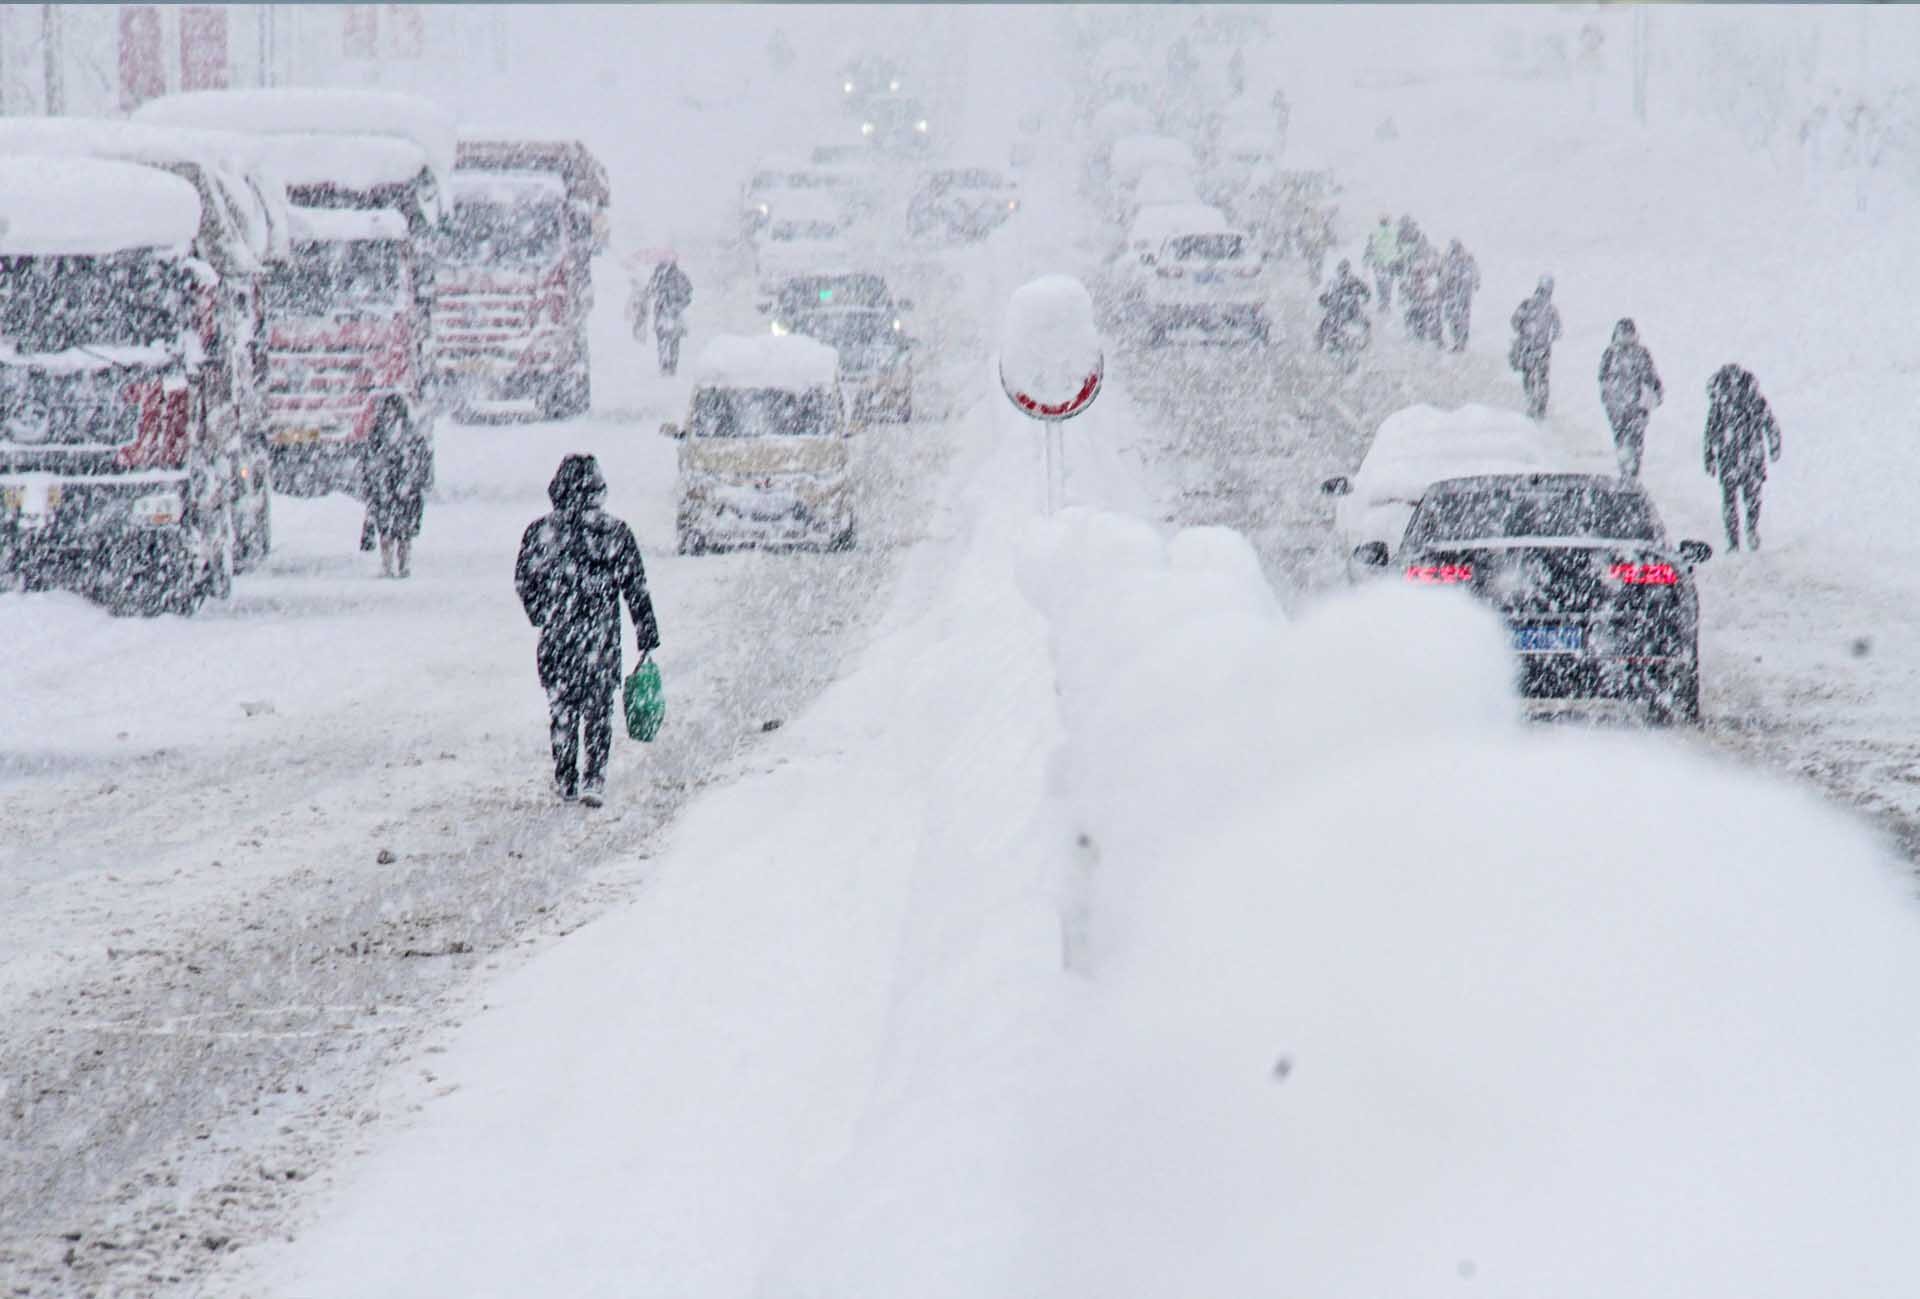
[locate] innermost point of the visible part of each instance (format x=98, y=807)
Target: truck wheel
x=692, y=542
x=844, y=540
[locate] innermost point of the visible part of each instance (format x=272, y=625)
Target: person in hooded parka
x=1742, y=436
x=396, y=466
x=1629, y=389
x=575, y=565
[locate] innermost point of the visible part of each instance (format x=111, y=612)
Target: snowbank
x=52, y=207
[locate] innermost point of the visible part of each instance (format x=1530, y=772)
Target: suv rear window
x=763, y=412
x=1518, y=510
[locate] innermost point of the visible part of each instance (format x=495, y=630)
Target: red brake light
x=1647, y=574
x=1435, y=574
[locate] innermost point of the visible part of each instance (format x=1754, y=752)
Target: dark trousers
x=567, y=712
x=1731, y=490
x=1459, y=320
x=1383, y=281
x=669, y=352
x=1629, y=438
x=1533, y=378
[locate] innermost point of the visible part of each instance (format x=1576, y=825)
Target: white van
x=764, y=455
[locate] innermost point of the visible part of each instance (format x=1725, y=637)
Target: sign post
x=1051, y=364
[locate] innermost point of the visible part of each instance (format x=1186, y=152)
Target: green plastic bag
x=646, y=702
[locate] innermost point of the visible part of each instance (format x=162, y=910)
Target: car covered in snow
x=857, y=316
x=1418, y=445
x=764, y=459
x=961, y=204
x=116, y=475
x=1132, y=156
x=1598, y=603
x=895, y=124
x=810, y=232
x=1196, y=276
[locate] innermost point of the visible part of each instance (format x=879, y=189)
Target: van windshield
x=764, y=412
x=325, y=277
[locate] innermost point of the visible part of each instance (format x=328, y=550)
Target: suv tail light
x=1440, y=574
x=1646, y=574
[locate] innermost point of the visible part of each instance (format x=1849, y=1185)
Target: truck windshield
x=49, y=304
x=485, y=233
x=324, y=277
x=763, y=412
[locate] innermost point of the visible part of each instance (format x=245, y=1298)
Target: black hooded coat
x=575, y=565
x=1742, y=434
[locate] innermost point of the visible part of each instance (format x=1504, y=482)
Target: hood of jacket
x=578, y=484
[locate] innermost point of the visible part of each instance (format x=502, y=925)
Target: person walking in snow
x=1459, y=281
x=1421, y=275
x=1536, y=324
x=1345, y=300
x=1742, y=437
x=1383, y=251
x=396, y=464
x=671, y=293
x=1629, y=389
x=575, y=566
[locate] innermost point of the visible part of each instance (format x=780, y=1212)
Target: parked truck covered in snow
x=340, y=360
x=116, y=462
x=512, y=300
x=243, y=231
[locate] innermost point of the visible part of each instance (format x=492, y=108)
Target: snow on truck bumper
x=507, y=368
x=76, y=530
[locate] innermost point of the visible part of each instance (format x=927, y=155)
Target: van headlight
x=866, y=128
x=780, y=330
x=921, y=126
x=157, y=509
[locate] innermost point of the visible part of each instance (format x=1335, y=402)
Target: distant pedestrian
x=1629, y=389
x=670, y=292
x=1459, y=281
x=1421, y=283
x=1383, y=251
x=1536, y=324
x=1742, y=437
x=575, y=565
x=396, y=464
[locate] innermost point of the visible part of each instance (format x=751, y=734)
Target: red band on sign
x=1065, y=409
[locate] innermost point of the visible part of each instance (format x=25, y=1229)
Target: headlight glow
x=779, y=329
x=921, y=126
x=894, y=85
x=896, y=326
x=847, y=87
x=866, y=128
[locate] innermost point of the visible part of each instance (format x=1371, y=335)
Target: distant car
x=869, y=75
x=809, y=232
x=857, y=315
x=763, y=455
x=1419, y=445
x=1598, y=603
x=895, y=124
x=1202, y=278
x=962, y=204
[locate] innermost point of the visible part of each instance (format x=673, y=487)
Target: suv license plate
x=1549, y=640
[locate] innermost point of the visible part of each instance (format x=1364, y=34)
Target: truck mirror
x=672, y=431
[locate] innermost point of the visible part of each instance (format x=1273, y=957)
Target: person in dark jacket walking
x=1459, y=281
x=1345, y=300
x=1742, y=437
x=396, y=464
x=1536, y=324
x=1629, y=389
x=575, y=565
x=1421, y=276
x=671, y=293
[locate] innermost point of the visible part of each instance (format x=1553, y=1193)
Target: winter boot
x=403, y=552
x=386, y=556
x=593, y=793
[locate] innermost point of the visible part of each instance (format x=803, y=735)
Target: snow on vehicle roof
x=1158, y=221
x=321, y=111
x=327, y=225
x=1133, y=154
x=1419, y=445
x=583, y=176
x=358, y=162
x=1165, y=185
x=80, y=207
x=509, y=188
x=790, y=361
x=233, y=166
